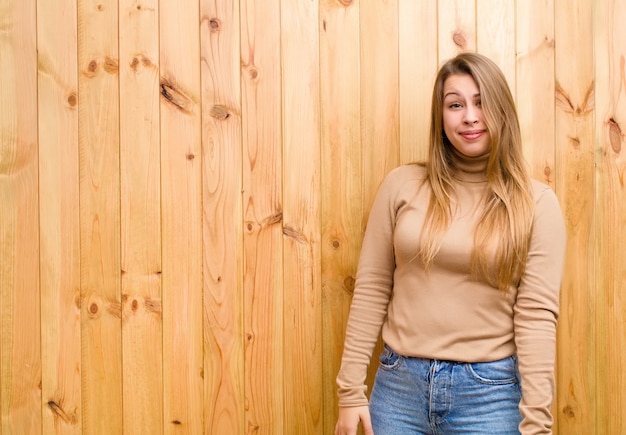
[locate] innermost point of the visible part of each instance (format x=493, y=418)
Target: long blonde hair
x=503, y=231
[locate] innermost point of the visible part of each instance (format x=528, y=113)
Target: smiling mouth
x=472, y=135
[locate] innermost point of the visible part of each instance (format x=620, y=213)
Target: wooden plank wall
x=184, y=188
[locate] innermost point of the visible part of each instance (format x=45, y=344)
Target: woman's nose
x=471, y=117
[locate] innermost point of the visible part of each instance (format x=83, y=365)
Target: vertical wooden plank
x=262, y=208
x=181, y=208
x=140, y=217
x=59, y=217
x=379, y=107
x=610, y=143
x=301, y=217
x=535, y=84
x=20, y=352
x=574, y=89
x=495, y=35
x=457, y=27
x=379, y=94
x=417, y=39
x=534, y=27
x=341, y=187
x=99, y=216
x=222, y=212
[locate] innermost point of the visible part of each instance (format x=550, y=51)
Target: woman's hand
x=349, y=418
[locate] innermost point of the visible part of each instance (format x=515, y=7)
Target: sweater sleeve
x=373, y=286
x=535, y=314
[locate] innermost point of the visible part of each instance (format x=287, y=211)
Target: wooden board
x=140, y=165
x=417, y=40
x=610, y=246
x=20, y=344
x=181, y=202
x=301, y=218
x=535, y=86
x=99, y=216
x=379, y=95
x=263, y=216
x=341, y=187
x=222, y=224
x=456, y=27
x=379, y=109
x=495, y=35
x=575, y=408
x=59, y=218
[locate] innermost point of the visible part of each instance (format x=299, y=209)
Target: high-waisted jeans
x=425, y=396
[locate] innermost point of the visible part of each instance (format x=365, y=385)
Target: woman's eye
x=479, y=103
x=454, y=105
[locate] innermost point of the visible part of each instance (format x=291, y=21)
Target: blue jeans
x=424, y=396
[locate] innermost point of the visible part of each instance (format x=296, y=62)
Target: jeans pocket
x=389, y=359
x=498, y=372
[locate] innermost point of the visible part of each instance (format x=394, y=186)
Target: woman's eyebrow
x=458, y=94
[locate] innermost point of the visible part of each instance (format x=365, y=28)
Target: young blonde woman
x=461, y=267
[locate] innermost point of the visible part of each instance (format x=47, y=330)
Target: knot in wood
x=348, y=284
x=459, y=39
x=72, y=99
x=176, y=97
x=574, y=142
x=93, y=66
x=111, y=65
x=615, y=136
x=215, y=25
x=569, y=412
x=219, y=112
x=547, y=171
x=253, y=73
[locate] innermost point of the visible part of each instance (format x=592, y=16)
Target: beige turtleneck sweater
x=446, y=314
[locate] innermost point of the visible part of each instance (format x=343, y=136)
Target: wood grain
x=59, y=221
x=575, y=184
x=341, y=187
x=535, y=85
x=181, y=205
x=379, y=95
x=610, y=246
x=495, y=35
x=222, y=218
x=101, y=312
x=301, y=218
x=20, y=320
x=379, y=109
x=140, y=164
x=417, y=39
x=180, y=221
x=456, y=27
x=263, y=216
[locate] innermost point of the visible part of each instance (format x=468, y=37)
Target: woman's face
x=463, y=119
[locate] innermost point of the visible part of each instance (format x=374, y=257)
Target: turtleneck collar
x=469, y=169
